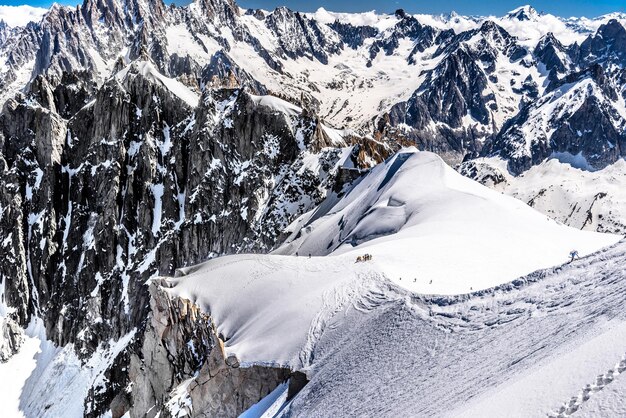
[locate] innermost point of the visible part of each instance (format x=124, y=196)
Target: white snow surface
x=369, y=347
x=182, y=42
x=523, y=350
x=418, y=218
x=276, y=104
x=43, y=380
x=21, y=15
x=610, y=402
x=242, y=293
x=578, y=197
x=431, y=230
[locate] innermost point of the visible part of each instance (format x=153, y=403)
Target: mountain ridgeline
x=137, y=139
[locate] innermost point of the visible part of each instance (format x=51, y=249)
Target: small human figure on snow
x=573, y=254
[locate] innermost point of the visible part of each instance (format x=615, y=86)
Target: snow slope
x=147, y=69
x=243, y=290
x=50, y=381
x=431, y=230
x=609, y=402
x=417, y=358
x=564, y=190
x=308, y=313
x=527, y=348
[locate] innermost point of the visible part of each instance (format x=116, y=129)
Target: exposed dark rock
x=11, y=338
x=299, y=36
x=553, y=55
x=222, y=72
x=353, y=36
x=180, y=344
x=607, y=45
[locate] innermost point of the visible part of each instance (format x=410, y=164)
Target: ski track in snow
x=519, y=349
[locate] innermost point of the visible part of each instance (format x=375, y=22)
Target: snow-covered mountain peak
x=523, y=13
x=608, y=45
x=140, y=138
x=413, y=210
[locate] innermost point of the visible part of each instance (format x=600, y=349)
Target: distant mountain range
x=138, y=139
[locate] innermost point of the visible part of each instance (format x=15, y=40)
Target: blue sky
x=481, y=7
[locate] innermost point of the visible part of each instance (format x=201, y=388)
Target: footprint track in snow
x=574, y=404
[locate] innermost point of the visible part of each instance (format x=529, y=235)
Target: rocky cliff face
x=11, y=338
x=4, y=31
x=146, y=177
x=177, y=367
x=138, y=181
x=182, y=367
x=137, y=138
x=472, y=82
x=607, y=45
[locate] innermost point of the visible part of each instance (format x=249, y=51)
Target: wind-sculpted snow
x=138, y=138
x=243, y=302
x=432, y=230
x=522, y=351
x=369, y=347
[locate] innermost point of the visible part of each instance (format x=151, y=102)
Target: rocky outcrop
x=4, y=31
x=11, y=338
x=139, y=182
x=299, y=36
x=223, y=72
x=353, y=36
x=607, y=45
x=551, y=53
x=182, y=365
